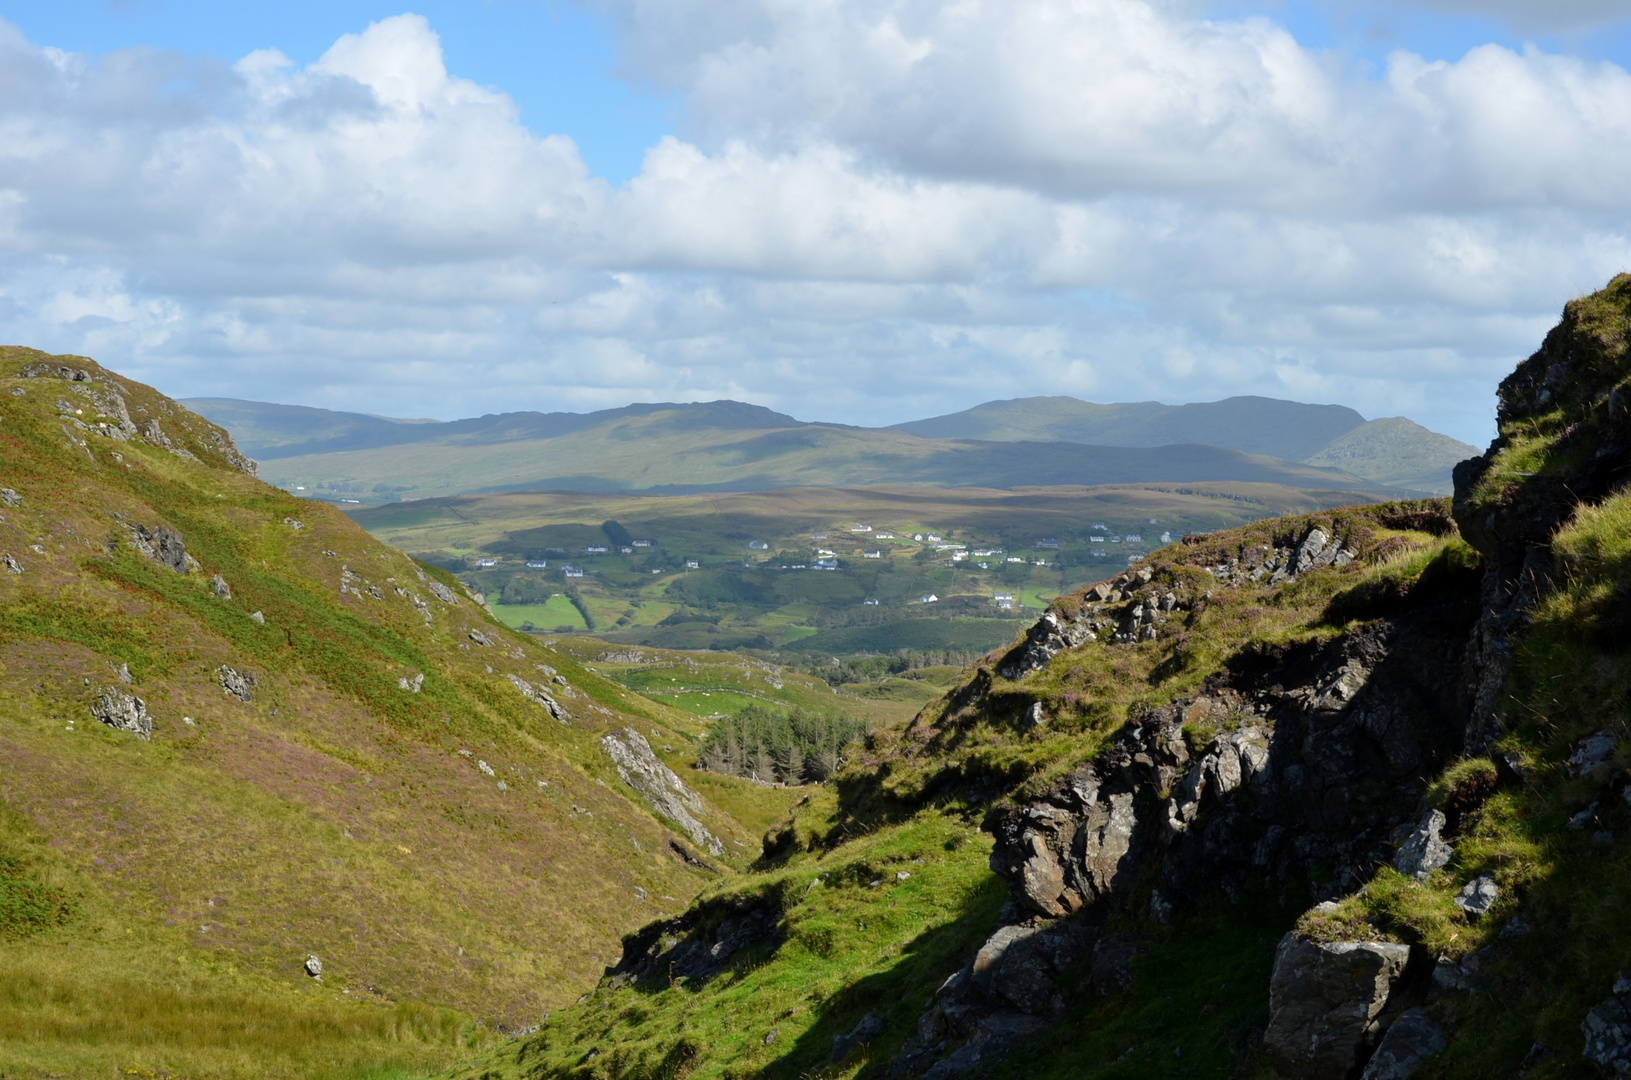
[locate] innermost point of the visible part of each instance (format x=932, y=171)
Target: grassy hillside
x=634, y=455
x=740, y=596
x=1395, y=452
x=1391, y=452
x=1256, y=425
x=338, y=764
x=880, y=889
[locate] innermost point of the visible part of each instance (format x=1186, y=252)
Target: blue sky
x=865, y=211
x=556, y=61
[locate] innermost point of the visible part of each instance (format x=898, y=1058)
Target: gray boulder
x=1607, y=1029
x=219, y=586
x=868, y=1029
x=1020, y=966
x=258, y=617
x=313, y=966
x=12, y=565
x=1478, y=895
x=10, y=498
x=1591, y=754
x=124, y=711
x=1410, y=1040
x=240, y=684
x=163, y=545
x=441, y=592
x=1325, y=1000
x=480, y=638
x=1424, y=851
x=665, y=792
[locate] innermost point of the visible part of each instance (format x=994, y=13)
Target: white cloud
x=878, y=210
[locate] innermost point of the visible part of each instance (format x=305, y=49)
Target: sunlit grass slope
x=453, y=854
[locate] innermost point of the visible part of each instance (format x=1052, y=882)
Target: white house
x=537, y=564
x=871, y=554
x=928, y=598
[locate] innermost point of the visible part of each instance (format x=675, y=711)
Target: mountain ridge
x=1078, y=442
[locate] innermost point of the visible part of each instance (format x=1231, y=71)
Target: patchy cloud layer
x=879, y=210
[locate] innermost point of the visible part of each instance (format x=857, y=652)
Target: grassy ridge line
x=332, y=813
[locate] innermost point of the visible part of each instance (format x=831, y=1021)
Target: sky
x=863, y=211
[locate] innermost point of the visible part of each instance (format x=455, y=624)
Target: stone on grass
x=314, y=966
x=10, y=498
x=12, y=565
x=258, y=617
x=124, y=711
x=1425, y=851
x=219, y=586
x=442, y=592
x=661, y=788
x=240, y=684
x=1478, y=895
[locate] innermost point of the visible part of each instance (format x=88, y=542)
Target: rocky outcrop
x=1283, y=564
x=662, y=790
x=1294, y=760
x=1326, y=1004
x=1425, y=850
x=123, y=710
x=541, y=697
x=1570, y=383
x=163, y=545
x=1410, y=1041
x=441, y=592
x=701, y=943
x=240, y=684
x=1607, y=1031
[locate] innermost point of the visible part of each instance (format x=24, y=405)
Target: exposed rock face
x=240, y=684
x=1282, y=565
x=665, y=792
x=12, y=565
x=1424, y=851
x=1409, y=1042
x=481, y=639
x=1317, y=760
x=699, y=944
x=541, y=697
x=123, y=710
x=1325, y=1004
x=1576, y=371
x=1607, y=1029
x=441, y=592
x=10, y=498
x=163, y=545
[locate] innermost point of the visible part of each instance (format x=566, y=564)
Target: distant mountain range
x=732, y=446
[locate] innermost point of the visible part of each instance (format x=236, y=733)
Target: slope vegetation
x=1335, y=795
x=236, y=732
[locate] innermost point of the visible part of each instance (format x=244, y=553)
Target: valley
x=807, y=574
x=1319, y=785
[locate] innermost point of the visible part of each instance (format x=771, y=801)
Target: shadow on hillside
x=896, y=996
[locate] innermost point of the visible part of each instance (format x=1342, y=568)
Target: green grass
x=849, y=949
x=557, y=613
